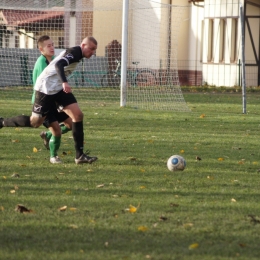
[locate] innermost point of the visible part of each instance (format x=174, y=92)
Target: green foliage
x=208, y=211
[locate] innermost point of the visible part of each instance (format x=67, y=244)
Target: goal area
x=152, y=80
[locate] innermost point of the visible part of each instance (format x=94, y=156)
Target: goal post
x=149, y=69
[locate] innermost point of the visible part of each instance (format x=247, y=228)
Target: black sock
x=78, y=136
x=23, y=121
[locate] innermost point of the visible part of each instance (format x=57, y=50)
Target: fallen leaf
x=254, y=219
x=162, y=218
x=188, y=225
x=73, y=226
x=198, y=158
x=142, y=187
x=22, y=209
x=193, y=246
x=35, y=150
x=174, y=205
x=182, y=151
x=15, y=175
x=143, y=228
x=100, y=185
x=73, y=209
x=63, y=208
x=12, y=191
x=133, y=209
x=221, y=159
x=233, y=200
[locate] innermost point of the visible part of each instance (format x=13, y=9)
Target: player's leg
x=72, y=109
x=55, y=142
x=22, y=121
x=17, y=121
x=65, y=125
x=43, y=104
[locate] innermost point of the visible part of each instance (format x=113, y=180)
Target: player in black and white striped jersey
x=52, y=87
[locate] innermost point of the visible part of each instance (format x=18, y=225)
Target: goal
x=152, y=71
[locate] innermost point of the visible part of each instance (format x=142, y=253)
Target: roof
x=23, y=17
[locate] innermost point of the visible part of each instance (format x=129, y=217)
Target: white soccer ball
x=176, y=163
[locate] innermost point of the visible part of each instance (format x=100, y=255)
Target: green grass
x=133, y=147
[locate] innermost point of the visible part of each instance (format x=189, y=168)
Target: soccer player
x=52, y=138
x=52, y=87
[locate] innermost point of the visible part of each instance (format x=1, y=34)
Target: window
x=16, y=41
x=61, y=43
x=211, y=40
x=222, y=38
x=234, y=27
x=72, y=4
x=202, y=40
x=7, y=40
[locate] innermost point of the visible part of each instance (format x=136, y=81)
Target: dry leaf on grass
x=254, y=219
x=62, y=208
x=162, y=218
x=193, y=246
x=132, y=209
x=142, y=228
x=73, y=226
x=22, y=209
x=100, y=185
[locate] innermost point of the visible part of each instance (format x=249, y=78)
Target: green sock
x=48, y=135
x=54, y=145
x=64, y=129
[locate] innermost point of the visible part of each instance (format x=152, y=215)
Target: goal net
x=152, y=71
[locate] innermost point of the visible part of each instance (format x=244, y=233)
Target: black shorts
x=55, y=115
x=44, y=104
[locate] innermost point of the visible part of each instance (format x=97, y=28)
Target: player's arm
x=59, y=66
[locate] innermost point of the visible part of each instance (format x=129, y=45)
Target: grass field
x=208, y=211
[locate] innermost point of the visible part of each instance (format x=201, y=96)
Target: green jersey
x=39, y=66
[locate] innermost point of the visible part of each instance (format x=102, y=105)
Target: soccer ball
x=176, y=163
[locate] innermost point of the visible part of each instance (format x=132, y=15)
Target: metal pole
x=124, y=53
x=239, y=72
x=243, y=59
